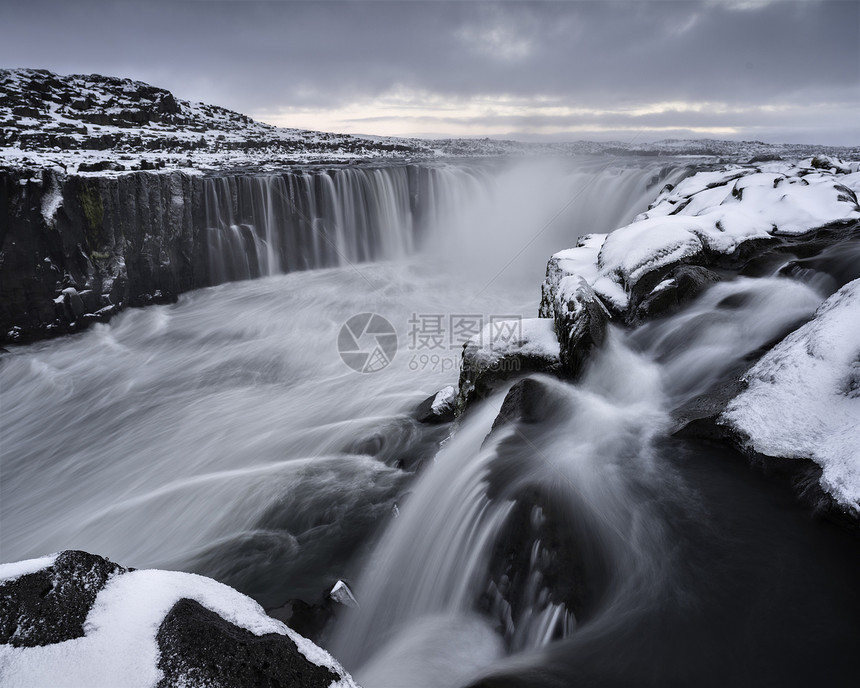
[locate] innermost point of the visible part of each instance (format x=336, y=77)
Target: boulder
x=505, y=350
x=802, y=399
x=51, y=604
x=580, y=323
x=144, y=628
x=198, y=647
x=680, y=286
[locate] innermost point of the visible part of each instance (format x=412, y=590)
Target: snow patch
x=527, y=336
x=803, y=397
x=443, y=400
x=119, y=647
x=22, y=568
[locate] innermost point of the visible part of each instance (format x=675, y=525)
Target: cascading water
x=224, y=435
x=268, y=224
x=571, y=533
x=585, y=476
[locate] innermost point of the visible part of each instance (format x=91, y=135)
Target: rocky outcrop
x=503, y=351
x=169, y=629
x=43, y=112
x=726, y=219
x=802, y=399
x=678, y=287
x=439, y=407
x=580, y=321
x=75, y=250
x=198, y=647
x=50, y=605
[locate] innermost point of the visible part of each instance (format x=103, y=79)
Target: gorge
x=589, y=518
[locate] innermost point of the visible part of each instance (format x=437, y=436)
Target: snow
x=803, y=397
x=119, y=647
x=22, y=568
x=631, y=252
x=582, y=260
x=527, y=336
x=711, y=212
x=575, y=291
x=443, y=399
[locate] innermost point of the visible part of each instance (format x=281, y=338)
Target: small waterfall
x=540, y=526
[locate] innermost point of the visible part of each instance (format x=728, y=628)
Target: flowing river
x=225, y=435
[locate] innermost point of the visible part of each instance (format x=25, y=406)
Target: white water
x=224, y=435
x=594, y=458
x=594, y=455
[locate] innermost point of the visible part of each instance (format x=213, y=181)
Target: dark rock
x=686, y=282
x=100, y=166
x=51, y=605
x=484, y=369
x=198, y=647
x=528, y=401
x=581, y=320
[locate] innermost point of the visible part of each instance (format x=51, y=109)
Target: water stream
x=224, y=435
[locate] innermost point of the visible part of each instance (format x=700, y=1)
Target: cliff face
x=75, y=249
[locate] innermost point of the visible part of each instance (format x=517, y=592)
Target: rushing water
x=225, y=435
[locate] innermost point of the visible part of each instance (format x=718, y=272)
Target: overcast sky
x=644, y=70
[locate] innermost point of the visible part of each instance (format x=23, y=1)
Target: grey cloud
x=255, y=56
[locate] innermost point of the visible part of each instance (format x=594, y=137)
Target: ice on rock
x=803, y=397
x=341, y=593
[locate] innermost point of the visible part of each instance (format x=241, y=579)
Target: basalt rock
x=581, y=320
x=496, y=356
x=196, y=646
x=50, y=606
x=679, y=286
x=86, y=244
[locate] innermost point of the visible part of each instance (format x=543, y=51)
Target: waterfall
x=572, y=493
x=267, y=224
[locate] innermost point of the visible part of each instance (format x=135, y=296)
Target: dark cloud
x=270, y=57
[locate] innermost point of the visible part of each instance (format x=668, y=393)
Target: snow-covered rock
x=76, y=619
x=580, y=320
x=710, y=218
x=580, y=260
x=438, y=407
x=504, y=350
x=803, y=397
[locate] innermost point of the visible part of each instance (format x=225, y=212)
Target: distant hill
x=93, y=123
x=44, y=113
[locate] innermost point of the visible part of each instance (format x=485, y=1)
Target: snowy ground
x=93, y=123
